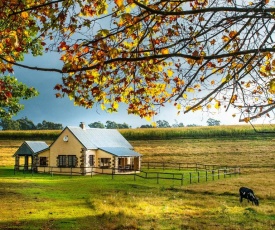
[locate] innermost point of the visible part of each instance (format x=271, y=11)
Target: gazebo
x=29, y=150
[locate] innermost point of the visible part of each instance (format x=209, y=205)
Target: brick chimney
x=82, y=125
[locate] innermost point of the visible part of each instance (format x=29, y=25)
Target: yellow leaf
x=225, y=38
x=24, y=15
x=115, y=105
x=165, y=51
x=246, y=119
x=217, y=105
x=184, y=96
x=190, y=90
x=212, y=82
x=272, y=85
x=170, y=73
x=154, y=124
x=208, y=106
x=147, y=118
x=114, y=53
x=178, y=106
x=160, y=68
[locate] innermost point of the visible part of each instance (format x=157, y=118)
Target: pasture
x=43, y=202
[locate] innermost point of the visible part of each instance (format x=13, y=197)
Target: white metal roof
x=93, y=138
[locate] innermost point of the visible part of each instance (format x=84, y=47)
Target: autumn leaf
x=24, y=15
x=170, y=73
x=165, y=51
x=233, y=98
x=217, y=104
x=272, y=86
x=246, y=119
x=225, y=38
x=119, y=3
x=212, y=42
x=232, y=33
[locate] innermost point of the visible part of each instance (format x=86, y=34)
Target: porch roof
x=121, y=152
x=29, y=148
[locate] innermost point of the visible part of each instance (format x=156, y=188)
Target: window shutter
x=75, y=161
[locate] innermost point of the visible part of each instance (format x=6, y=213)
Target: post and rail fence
x=200, y=173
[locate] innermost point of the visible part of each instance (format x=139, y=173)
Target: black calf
x=248, y=194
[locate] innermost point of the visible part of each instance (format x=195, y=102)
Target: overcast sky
x=47, y=107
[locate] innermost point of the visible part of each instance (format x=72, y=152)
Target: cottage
x=81, y=150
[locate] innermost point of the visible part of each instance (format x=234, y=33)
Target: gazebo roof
x=30, y=148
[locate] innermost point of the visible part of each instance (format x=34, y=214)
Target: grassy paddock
x=61, y=202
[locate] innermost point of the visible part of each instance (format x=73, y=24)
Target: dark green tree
x=111, y=125
x=26, y=124
x=97, y=124
x=123, y=126
x=8, y=124
x=213, y=122
x=47, y=125
x=146, y=126
x=163, y=124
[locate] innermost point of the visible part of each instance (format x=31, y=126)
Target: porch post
x=16, y=166
x=26, y=164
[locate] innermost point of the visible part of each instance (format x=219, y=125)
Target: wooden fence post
x=190, y=178
x=198, y=177
x=182, y=179
x=213, y=175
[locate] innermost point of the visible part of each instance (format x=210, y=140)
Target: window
x=43, y=161
x=62, y=161
x=105, y=162
x=91, y=160
x=71, y=161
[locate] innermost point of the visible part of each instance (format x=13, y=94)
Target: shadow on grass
x=104, y=221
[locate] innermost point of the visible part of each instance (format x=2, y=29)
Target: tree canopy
x=25, y=124
x=11, y=92
x=196, y=54
x=213, y=122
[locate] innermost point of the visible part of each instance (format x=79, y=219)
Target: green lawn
x=40, y=201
